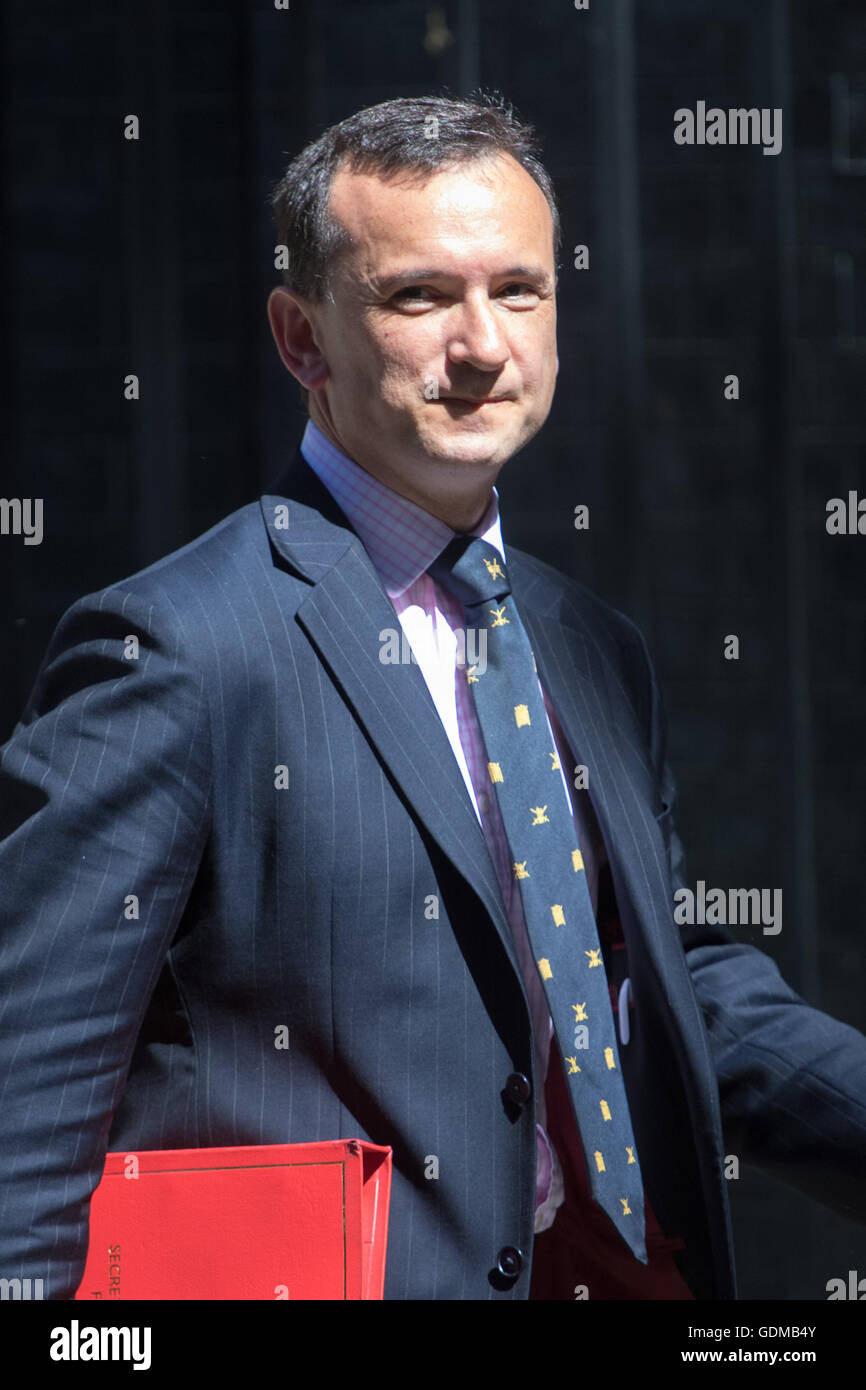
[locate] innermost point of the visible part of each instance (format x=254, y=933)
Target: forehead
x=492, y=206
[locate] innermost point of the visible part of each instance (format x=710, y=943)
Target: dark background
x=707, y=516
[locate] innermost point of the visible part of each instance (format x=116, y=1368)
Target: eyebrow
x=388, y=283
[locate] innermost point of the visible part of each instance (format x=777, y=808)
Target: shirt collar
x=401, y=538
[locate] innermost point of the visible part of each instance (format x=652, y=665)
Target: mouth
x=475, y=402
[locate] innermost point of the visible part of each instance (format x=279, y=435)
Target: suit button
x=517, y=1088
x=509, y=1261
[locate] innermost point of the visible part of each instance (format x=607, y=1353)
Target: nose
x=476, y=338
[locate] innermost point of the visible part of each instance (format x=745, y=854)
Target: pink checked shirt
x=402, y=541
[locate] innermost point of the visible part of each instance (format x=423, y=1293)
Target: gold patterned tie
x=539, y=825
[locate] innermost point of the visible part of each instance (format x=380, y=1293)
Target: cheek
x=405, y=359
x=535, y=351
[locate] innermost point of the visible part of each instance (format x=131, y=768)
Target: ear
x=293, y=327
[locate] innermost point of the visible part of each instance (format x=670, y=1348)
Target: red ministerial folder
x=273, y=1221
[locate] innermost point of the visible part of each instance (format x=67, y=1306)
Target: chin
x=471, y=448
x=475, y=437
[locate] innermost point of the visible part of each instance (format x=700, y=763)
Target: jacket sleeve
x=792, y=1079
x=103, y=814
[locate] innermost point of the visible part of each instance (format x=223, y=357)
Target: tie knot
x=471, y=570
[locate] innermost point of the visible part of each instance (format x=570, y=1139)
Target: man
x=291, y=745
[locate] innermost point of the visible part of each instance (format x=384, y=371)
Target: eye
x=414, y=294
x=519, y=288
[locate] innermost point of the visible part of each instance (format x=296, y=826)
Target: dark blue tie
x=539, y=825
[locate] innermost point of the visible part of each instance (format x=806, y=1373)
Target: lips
x=476, y=400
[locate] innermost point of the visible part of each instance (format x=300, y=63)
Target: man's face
x=444, y=298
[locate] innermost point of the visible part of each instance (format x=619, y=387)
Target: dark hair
x=409, y=135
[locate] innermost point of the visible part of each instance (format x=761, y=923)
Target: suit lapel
x=343, y=614
x=605, y=733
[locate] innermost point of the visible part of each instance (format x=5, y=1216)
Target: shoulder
x=193, y=608
x=208, y=562
x=213, y=576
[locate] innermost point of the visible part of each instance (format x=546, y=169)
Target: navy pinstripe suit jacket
x=310, y=906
